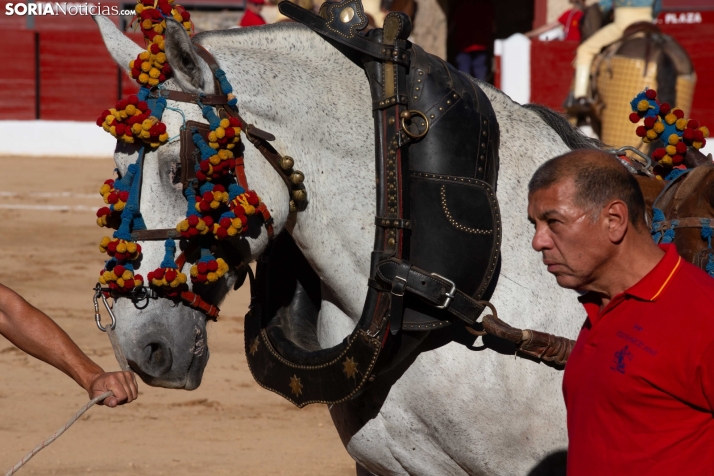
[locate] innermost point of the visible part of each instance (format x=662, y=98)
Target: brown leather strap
x=688, y=222
x=534, y=343
x=206, y=99
x=159, y=234
x=195, y=301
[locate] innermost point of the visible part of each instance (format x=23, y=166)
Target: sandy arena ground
x=49, y=254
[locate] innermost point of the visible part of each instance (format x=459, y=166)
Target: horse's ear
x=122, y=49
x=190, y=71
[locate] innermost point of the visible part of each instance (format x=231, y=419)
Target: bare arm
x=542, y=29
x=34, y=332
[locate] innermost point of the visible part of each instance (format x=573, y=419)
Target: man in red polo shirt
x=639, y=384
x=252, y=17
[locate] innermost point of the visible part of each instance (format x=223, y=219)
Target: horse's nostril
x=157, y=359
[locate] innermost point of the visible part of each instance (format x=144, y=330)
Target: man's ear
x=618, y=220
x=190, y=71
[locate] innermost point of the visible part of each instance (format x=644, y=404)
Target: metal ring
x=426, y=121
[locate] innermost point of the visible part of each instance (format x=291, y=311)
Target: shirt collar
x=651, y=287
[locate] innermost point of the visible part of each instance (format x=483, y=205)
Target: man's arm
x=34, y=332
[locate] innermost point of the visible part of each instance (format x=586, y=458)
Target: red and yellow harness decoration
x=661, y=121
x=219, y=202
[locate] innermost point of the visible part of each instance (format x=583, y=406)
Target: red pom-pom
x=120, y=129
x=664, y=109
x=103, y=211
x=159, y=273
x=688, y=135
x=677, y=159
x=208, y=221
x=119, y=270
x=193, y=220
x=170, y=275
x=234, y=121
x=651, y=94
x=230, y=133
x=112, y=198
x=205, y=207
x=185, y=16
x=208, y=196
x=143, y=106
x=693, y=124
x=100, y=121
x=225, y=222
x=133, y=99
x=641, y=131
x=202, y=267
x=193, y=231
x=122, y=104
x=212, y=265
x=124, y=196
x=659, y=153
x=155, y=48
x=129, y=284
x=679, y=113
x=649, y=121
x=634, y=118
x=681, y=148
x=221, y=232
x=698, y=135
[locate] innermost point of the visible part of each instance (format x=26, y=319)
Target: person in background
x=626, y=13
x=252, y=17
x=569, y=21
x=32, y=331
x=472, y=23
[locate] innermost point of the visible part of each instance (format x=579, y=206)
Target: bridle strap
x=688, y=222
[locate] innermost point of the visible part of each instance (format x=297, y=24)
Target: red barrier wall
x=551, y=71
x=17, y=75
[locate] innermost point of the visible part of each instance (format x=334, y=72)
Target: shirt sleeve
x=563, y=19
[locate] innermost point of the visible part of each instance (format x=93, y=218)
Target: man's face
x=573, y=245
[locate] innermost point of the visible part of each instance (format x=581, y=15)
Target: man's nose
x=541, y=241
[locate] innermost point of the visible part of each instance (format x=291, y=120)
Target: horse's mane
x=569, y=134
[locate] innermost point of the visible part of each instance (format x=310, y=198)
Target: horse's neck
x=316, y=102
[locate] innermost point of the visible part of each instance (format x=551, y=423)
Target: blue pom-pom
x=169, y=261
x=234, y=190
x=669, y=234
x=710, y=266
x=657, y=215
x=653, y=111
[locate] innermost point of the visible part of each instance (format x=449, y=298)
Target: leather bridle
x=189, y=155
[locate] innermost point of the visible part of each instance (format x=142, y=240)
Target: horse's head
x=684, y=203
x=164, y=341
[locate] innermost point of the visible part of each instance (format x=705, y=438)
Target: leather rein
x=259, y=138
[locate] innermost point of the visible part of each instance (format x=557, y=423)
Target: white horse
x=456, y=409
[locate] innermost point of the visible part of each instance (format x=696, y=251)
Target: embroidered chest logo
x=620, y=359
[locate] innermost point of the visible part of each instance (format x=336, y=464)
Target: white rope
x=124, y=366
x=58, y=433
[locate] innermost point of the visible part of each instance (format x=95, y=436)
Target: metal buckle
x=405, y=286
x=449, y=295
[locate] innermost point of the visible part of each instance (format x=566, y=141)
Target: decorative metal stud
x=391, y=241
x=295, y=385
x=441, y=108
x=287, y=162
x=347, y=14
x=391, y=120
x=406, y=114
x=297, y=177
x=293, y=207
x=432, y=116
x=448, y=101
x=299, y=195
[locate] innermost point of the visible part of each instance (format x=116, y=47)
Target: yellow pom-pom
x=143, y=78
x=215, y=204
x=666, y=160
x=673, y=139
x=146, y=66
x=161, y=57
x=182, y=278
x=146, y=25
x=220, y=132
x=153, y=82
x=225, y=123
x=232, y=231
x=230, y=146
x=121, y=248
x=145, y=134
x=119, y=206
x=131, y=64
x=130, y=110
x=214, y=159
x=164, y=137
x=681, y=124
x=174, y=283
x=182, y=226
x=212, y=137
x=643, y=105
x=651, y=134
x=225, y=154
x=705, y=131
x=154, y=73
x=187, y=25
x=670, y=118
x=102, y=280
x=146, y=124
x=139, y=8
x=127, y=275
x=671, y=150
x=194, y=271
x=131, y=247
x=658, y=127
x=136, y=128
x=212, y=277
x=697, y=145
x=105, y=241
x=104, y=189
x=158, y=28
